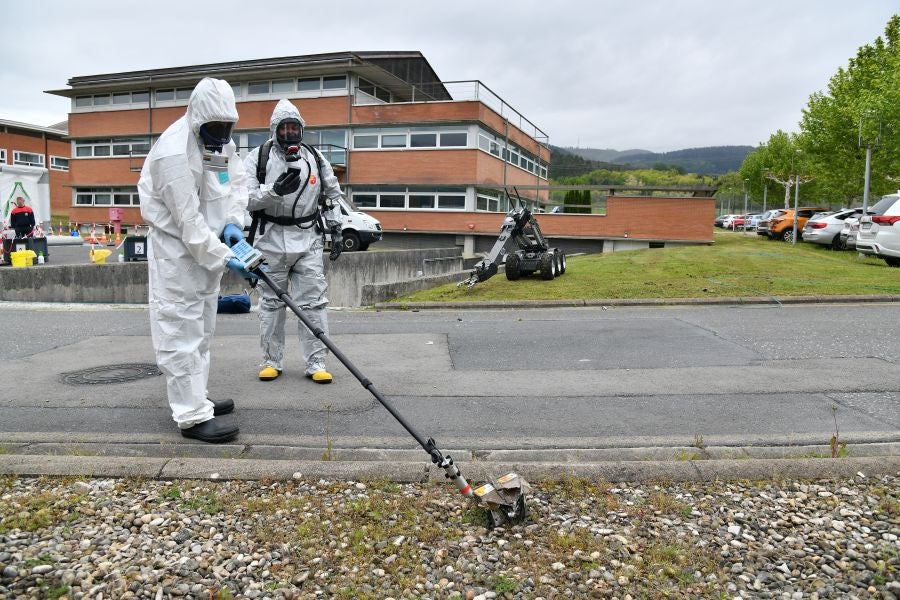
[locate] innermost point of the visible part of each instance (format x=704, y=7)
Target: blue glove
x=232, y=234
x=241, y=269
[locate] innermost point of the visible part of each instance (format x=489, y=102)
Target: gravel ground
x=106, y=538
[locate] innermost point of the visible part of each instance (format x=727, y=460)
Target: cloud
x=654, y=74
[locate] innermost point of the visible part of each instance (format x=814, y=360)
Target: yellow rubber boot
x=269, y=373
x=321, y=377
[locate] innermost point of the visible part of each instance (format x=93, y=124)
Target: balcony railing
x=466, y=91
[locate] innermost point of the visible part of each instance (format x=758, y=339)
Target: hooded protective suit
x=293, y=251
x=187, y=205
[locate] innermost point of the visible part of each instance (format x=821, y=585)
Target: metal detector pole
x=444, y=462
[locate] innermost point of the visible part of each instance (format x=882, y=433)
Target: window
x=398, y=197
x=283, y=85
x=313, y=84
x=165, y=95
x=365, y=141
x=338, y=82
x=454, y=139
x=113, y=147
x=122, y=98
x=29, y=159
x=59, y=163
x=183, y=93
x=258, y=87
x=140, y=97
x=101, y=100
x=367, y=87
x=422, y=140
x=2, y=156
x=236, y=88
x=83, y=101
x=393, y=140
x=127, y=196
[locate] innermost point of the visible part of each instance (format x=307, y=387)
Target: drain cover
x=111, y=374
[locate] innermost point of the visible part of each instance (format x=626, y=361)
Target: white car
x=885, y=233
x=825, y=228
x=868, y=227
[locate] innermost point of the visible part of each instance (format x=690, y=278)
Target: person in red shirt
x=22, y=219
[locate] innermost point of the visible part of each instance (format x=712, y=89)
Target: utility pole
x=796, y=193
x=765, y=186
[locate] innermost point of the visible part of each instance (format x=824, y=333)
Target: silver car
x=825, y=228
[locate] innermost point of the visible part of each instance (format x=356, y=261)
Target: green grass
x=737, y=264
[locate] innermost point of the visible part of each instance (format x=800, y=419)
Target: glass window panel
x=338, y=82
x=484, y=143
x=422, y=140
x=59, y=162
x=258, y=87
x=122, y=98
x=164, y=95
x=313, y=138
x=84, y=101
x=101, y=150
x=364, y=200
x=140, y=148
x=140, y=97
x=481, y=203
x=86, y=199
x=421, y=200
x=335, y=137
x=283, y=85
x=122, y=199
x=493, y=205
x=121, y=149
x=365, y=141
x=382, y=94
x=392, y=201
x=183, y=93
x=454, y=139
x=102, y=199
x=101, y=100
x=236, y=88
x=313, y=84
x=84, y=151
x=495, y=149
x=451, y=201
x=257, y=138
x=393, y=141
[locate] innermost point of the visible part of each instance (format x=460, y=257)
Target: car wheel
x=548, y=266
x=351, y=242
x=512, y=266
x=562, y=262
x=892, y=261
x=836, y=242
x=788, y=235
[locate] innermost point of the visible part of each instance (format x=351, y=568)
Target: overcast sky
x=654, y=74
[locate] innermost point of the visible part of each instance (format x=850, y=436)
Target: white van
x=359, y=229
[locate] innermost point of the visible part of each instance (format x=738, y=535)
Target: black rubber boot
x=212, y=431
x=222, y=407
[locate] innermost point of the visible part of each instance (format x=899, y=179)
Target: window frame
x=56, y=167
x=108, y=193
x=27, y=163
x=3, y=156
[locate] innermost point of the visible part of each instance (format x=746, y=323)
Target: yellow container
x=99, y=256
x=22, y=258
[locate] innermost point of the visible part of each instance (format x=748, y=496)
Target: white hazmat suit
x=293, y=251
x=187, y=206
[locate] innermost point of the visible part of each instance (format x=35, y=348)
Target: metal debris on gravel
x=105, y=538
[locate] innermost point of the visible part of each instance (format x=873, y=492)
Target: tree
x=830, y=127
x=779, y=160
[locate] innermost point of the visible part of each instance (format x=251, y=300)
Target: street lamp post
x=746, y=185
x=796, y=194
x=765, y=186
x=870, y=139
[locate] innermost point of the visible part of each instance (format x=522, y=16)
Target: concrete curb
x=420, y=472
x=773, y=300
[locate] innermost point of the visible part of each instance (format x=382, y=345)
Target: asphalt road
x=532, y=379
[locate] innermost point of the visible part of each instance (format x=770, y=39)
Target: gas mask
x=288, y=134
x=215, y=134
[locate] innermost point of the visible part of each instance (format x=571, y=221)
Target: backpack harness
x=260, y=218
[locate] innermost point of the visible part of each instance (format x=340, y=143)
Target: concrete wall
x=127, y=282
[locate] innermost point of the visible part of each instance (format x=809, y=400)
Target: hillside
x=711, y=160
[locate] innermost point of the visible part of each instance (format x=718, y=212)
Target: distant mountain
x=711, y=160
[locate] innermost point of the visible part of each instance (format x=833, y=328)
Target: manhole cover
x=111, y=374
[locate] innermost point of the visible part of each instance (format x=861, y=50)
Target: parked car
x=825, y=228
x=887, y=235
x=728, y=222
x=762, y=226
x=782, y=226
x=869, y=226
x=719, y=220
x=752, y=222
